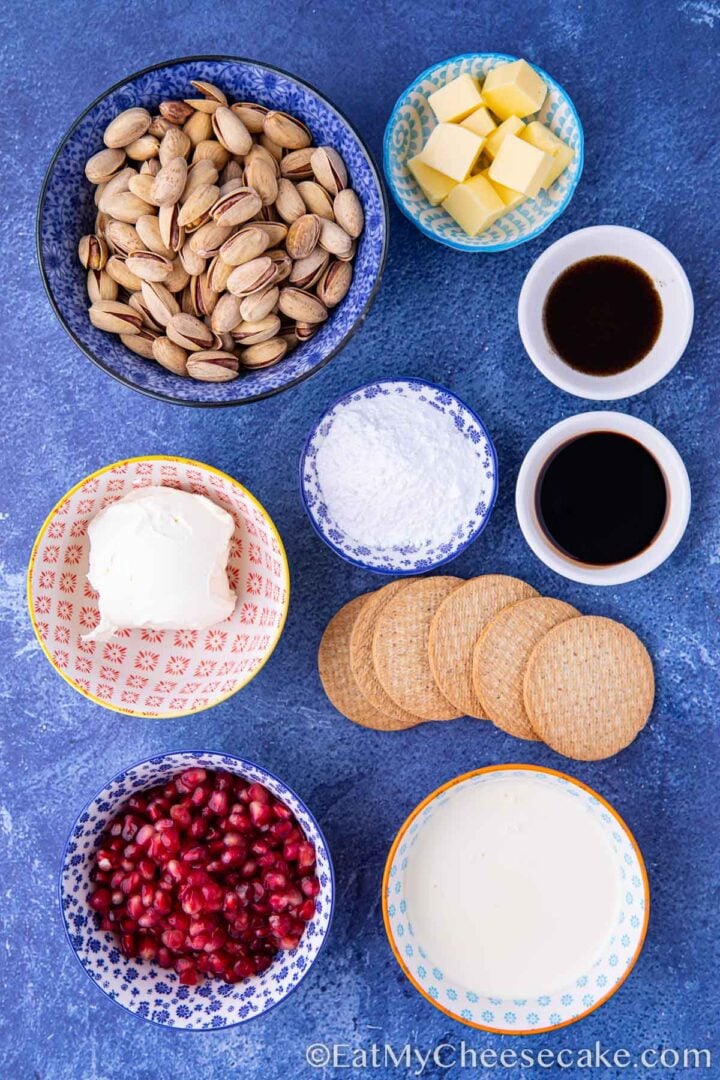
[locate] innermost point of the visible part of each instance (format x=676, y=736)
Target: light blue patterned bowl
x=67, y=210
x=408, y=128
x=422, y=555
x=473, y=1005
x=143, y=988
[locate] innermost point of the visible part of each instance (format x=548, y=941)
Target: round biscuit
x=456, y=626
x=336, y=675
x=361, y=658
x=501, y=655
x=589, y=687
x=400, y=648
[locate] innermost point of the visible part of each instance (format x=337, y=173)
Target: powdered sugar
x=395, y=471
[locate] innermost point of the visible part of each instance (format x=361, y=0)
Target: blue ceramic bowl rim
x=459, y=245
x=383, y=571
x=156, y=394
x=242, y=762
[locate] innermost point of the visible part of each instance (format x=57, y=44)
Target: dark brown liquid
x=601, y=498
x=603, y=315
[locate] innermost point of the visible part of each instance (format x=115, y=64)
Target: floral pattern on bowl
x=67, y=211
x=157, y=673
x=422, y=555
x=409, y=126
x=142, y=987
x=504, y=1016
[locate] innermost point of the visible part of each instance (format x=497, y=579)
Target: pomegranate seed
x=291, y=850
x=147, y=948
x=157, y=809
x=100, y=900
x=262, y=963
x=171, y=840
x=306, y=855
x=131, y=883
x=198, y=828
x=118, y=897
x=106, y=860
x=294, y=896
x=181, y=815
x=258, y=793
x=307, y=910
x=280, y=924
x=289, y=942
x=163, y=902
x=197, y=853
x=127, y=944
x=269, y=860
x=137, y=803
x=191, y=901
x=274, y=881
x=115, y=827
x=260, y=847
x=232, y=857
x=260, y=813
x=280, y=830
x=150, y=919
x=146, y=868
x=164, y=957
x=147, y=892
x=239, y=821
x=218, y=802
x=176, y=869
x=135, y=906
x=198, y=877
x=310, y=886
x=144, y=835
x=200, y=795
x=173, y=939
x=192, y=777
x=106, y=923
x=189, y=977
x=178, y=920
x=281, y=811
x=131, y=824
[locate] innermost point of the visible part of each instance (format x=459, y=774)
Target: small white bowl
x=676, y=479
x=670, y=281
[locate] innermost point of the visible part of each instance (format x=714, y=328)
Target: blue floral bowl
x=409, y=126
x=423, y=555
x=145, y=989
x=67, y=211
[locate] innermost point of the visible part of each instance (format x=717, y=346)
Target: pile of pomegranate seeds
x=209, y=875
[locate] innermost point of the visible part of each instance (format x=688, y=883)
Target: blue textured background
x=641, y=75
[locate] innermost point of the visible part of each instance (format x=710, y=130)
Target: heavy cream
x=512, y=886
x=158, y=559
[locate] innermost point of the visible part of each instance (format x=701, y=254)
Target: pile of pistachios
x=223, y=237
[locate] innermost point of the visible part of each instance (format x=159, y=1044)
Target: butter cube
x=511, y=126
x=545, y=139
x=509, y=197
x=435, y=187
x=453, y=102
x=474, y=205
x=520, y=166
x=452, y=150
x=513, y=89
x=480, y=121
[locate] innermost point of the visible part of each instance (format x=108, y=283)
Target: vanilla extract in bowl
x=603, y=315
x=601, y=498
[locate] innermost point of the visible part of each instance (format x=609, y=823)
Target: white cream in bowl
x=512, y=887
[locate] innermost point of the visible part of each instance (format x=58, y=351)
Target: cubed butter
x=480, y=121
x=509, y=197
x=513, y=89
x=435, y=187
x=520, y=166
x=545, y=139
x=454, y=101
x=474, y=205
x=512, y=126
x=452, y=151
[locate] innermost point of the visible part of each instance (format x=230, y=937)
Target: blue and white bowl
x=67, y=211
x=154, y=993
x=423, y=555
x=477, y=1006
x=409, y=126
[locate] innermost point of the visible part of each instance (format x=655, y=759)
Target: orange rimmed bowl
x=477, y=1006
x=157, y=674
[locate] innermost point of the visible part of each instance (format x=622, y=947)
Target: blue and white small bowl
x=154, y=993
x=423, y=555
x=409, y=126
x=477, y=1007
x=67, y=211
